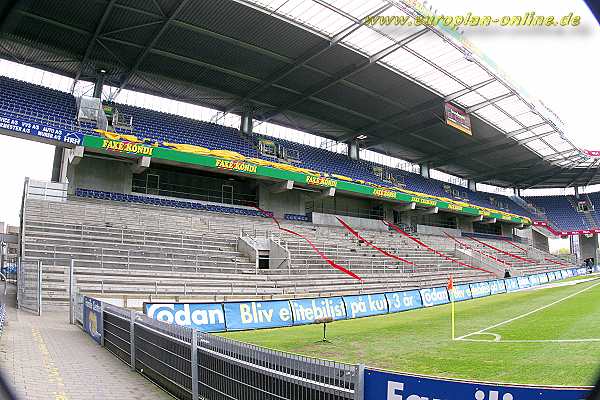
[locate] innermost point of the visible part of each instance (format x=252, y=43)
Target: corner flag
x=451, y=294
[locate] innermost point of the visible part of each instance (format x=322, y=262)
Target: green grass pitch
x=557, y=345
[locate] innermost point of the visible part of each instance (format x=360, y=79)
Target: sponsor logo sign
x=420, y=200
x=434, y=296
x=480, y=289
x=534, y=280
x=511, y=284
x=308, y=310
x=380, y=385
x=543, y=278
x=458, y=118
x=365, y=305
x=403, y=301
x=257, y=314
x=236, y=165
x=523, y=282
x=454, y=207
x=127, y=147
x=206, y=317
x=320, y=181
x=390, y=194
x=460, y=293
x=42, y=131
x=497, y=286
x=92, y=318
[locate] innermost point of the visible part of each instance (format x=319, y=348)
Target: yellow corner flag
x=451, y=294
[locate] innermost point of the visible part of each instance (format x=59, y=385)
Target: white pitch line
x=528, y=313
x=533, y=340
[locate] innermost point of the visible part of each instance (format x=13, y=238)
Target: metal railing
x=29, y=286
x=194, y=365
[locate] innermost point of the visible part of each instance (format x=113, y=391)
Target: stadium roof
x=313, y=65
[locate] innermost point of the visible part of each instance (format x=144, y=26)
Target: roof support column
x=247, y=118
x=99, y=84
x=472, y=185
x=354, y=150
x=424, y=170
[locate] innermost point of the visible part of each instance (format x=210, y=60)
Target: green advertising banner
x=245, y=167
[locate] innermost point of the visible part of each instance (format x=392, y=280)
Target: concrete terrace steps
x=141, y=252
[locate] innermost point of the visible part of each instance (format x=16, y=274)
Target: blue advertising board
x=365, y=305
x=34, y=129
x=257, y=315
x=480, y=289
x=206, y=317
x=523, y=282
x=403, y=301
x=218, y=317
x=497, y=286
x=564, y=274
x=434, y=296
x=92, y=318
x=511, y=284
x=308, y=310
x=558, y=275
x=380, y=385
x=460, y=293
x=534, y=280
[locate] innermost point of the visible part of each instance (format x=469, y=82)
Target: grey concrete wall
x=465, y=223
x=525, y=233
x=100, y=174
x=539, y=241
x=289, y=202
x=356, y=223
x=588, y=246
x=506, y=229
x=436, y=230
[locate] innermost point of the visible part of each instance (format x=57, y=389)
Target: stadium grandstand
x=226, y=166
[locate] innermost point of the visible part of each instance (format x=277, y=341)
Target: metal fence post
x=39, y=288
x=132, y=338
x=72, y=299
x=18, y=283
x=359, y=386
x=102, y=324
x=194, y=359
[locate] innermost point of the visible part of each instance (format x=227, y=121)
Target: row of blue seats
x=296, y=217
x=559, y=210
x=57, y=106
x=131, y=198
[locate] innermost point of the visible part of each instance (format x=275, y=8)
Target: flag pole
x=451, y=294
x=453, y=317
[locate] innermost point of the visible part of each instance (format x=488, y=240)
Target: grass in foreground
x=419, y=341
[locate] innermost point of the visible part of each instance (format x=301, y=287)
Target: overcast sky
x=558, y=65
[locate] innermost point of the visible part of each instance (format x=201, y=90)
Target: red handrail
x=414, y=239
x=499, y=250
x=476, y=250
x=556, y=262
x=514, y=245
x=310, y=243
x=358, y=236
